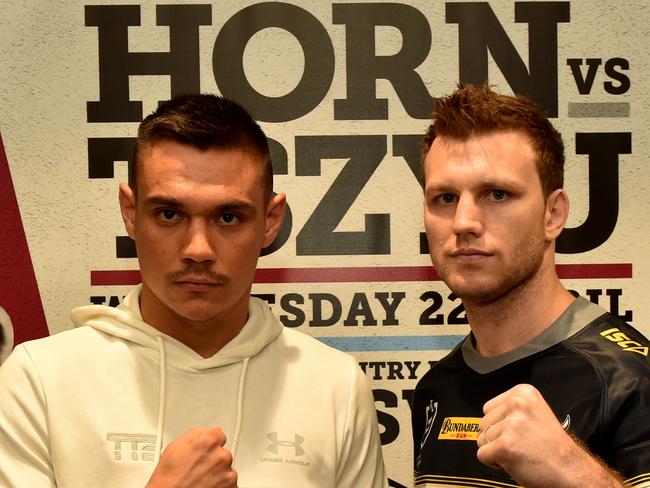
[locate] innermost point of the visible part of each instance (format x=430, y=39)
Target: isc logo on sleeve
x=627, y=344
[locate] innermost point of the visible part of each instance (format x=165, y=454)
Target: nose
x=468, y=217
x=199, y=247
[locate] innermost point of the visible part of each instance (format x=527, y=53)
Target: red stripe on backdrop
x=582, y=271
x=367, y=275
x=19, y=294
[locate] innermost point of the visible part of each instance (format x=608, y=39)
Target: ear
x=127, y=207
x=557, y=212
x=274, y=215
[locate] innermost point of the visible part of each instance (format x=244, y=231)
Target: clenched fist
x=196, y=459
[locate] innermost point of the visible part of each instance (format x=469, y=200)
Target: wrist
x=589, y=470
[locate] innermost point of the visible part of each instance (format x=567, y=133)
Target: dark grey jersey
x=591, y=367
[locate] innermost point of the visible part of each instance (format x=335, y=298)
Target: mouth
x=198, y=278
x=198, y=283
x=470, y=255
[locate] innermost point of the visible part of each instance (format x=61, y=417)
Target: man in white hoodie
x=190, y=382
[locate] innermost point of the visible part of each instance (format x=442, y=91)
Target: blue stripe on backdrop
x=393, y=343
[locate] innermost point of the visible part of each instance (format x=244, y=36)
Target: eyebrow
x=232, y=204
x=506, y=184
x=158, y=200
x=439, y=188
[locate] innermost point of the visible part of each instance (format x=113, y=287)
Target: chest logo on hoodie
x=277, y=443
x=133, y=447
x=286, y=451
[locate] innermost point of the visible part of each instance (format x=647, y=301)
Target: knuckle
x=516, y=423
x=231, y=477
x=527, y=390
x=519, y=403
x=218, y=435
x=481, y=455
x=226, y=456
x=507, y=440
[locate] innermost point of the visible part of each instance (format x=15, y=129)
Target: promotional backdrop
x=344, y=91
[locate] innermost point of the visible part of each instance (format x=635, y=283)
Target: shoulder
x=303, y=360
x=446, y=369
x=613, y=345
x=618, y=355
x=55, y=350
x=311, y=350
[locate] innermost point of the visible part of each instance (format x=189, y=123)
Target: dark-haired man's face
x=199, y=221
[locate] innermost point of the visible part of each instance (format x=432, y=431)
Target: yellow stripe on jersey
x=640, y=481
x=440, y=481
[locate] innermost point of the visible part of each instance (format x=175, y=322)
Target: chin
x=196, y=313
x=198, y=317
x=476, y=291
x=479, y=297
x=485, y=293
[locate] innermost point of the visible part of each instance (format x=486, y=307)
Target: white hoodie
x=94, y=406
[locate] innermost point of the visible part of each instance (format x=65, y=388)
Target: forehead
x=176, y=169
x=493, y=157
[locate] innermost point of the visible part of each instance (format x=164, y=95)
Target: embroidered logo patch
x=627, y=344
x=132, y=447
x=430, y=412
x=459, y=429
x=277, y=443
x=286, y=450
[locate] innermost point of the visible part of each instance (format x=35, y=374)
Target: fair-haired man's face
x=485, y=215
x=199, y=220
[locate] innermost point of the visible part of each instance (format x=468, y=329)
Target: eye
x=168, y=215
x=229, y=218
x=447, y=198
x=497, y=195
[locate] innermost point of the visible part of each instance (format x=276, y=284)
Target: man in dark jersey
x=548, y=390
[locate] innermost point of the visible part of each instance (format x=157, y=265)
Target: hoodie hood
x=125, y=322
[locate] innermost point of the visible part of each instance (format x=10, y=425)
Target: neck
x=519, y=316
x=205, y=337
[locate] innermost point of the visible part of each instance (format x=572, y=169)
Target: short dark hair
x=477, y=110
x=203, y=121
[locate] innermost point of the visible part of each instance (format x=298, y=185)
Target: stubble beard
x=513, y=274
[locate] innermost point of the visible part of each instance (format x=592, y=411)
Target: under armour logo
x=277, y=443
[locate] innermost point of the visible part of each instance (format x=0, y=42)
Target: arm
x=196, y=459
x=24, y=438
x=520, y=434
x=361, y=463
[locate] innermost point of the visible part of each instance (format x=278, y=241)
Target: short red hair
x=477, y=110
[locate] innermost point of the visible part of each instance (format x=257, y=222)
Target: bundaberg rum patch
x=459, y=429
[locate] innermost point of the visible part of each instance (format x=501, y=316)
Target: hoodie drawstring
x=161, y=400
x=240, y=403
